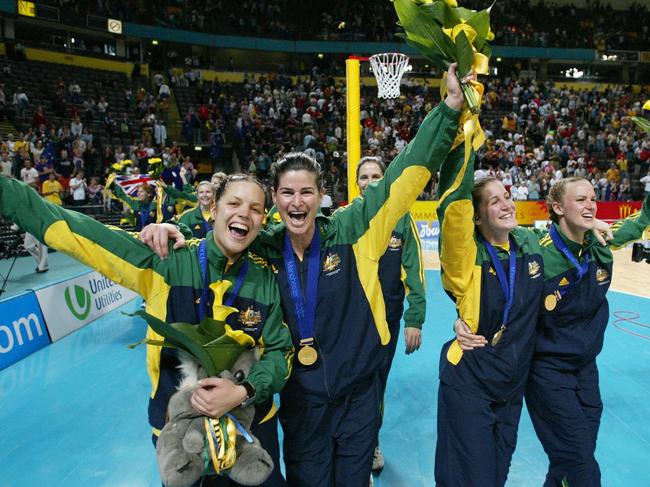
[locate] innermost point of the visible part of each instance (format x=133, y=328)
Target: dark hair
x=373, y=159
x=296, y=161
x=220, y=188
x=556, y=195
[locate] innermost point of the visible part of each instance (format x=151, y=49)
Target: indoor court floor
x=74, y=413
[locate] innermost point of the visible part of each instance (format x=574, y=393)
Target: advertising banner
x=22, y=329
x=528, y=212
x=69, y=305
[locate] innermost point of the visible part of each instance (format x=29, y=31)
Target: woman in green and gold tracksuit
x=493, y=271
x=328, y=275
x=563, y=395
x=177, y=289
x=143, y=207
x=198, y=219
x=401, y=274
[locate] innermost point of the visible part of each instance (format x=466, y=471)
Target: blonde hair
x=556, y=195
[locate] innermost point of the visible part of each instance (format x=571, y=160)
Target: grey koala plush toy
x=182, y=444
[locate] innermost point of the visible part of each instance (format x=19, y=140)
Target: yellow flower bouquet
x=445, y=33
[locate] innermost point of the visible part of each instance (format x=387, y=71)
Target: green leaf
x=642, y=123
x=464, y=55
x=486, y=50
x=212, y=328
x=421, y=29
x=179, y=338
x=430, y=53
x=224, y=355
x=464, y=13
x=442, y=13
x=480, y=22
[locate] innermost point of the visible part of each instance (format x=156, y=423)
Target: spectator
x=20, y=101
x=78, y=188
x=51, y=189
x=29, y=175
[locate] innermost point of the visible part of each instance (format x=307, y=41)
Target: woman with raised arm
x=328, y=274
x=492, y=269
x=180, y=288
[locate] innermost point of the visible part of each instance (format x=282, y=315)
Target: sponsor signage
x=428, y=232
x=69, y=305
x=22, y=329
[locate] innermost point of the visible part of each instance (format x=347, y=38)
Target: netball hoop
x=388, y=68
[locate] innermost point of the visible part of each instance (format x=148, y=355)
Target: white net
x=388, y=68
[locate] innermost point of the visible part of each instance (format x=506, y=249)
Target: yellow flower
x=117, y=166
x=126, y=162
x=490, y=36
x=468, y=29
x=646, y=105
x=155, y=160
x=451, y=3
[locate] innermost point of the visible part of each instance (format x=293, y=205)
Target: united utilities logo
x=79, y=305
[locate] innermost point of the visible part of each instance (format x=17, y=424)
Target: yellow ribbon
x=223, y=454
x=472, y=134
x=646, y=105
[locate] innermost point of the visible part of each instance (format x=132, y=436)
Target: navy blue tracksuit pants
x=331, y=444
x=476, y=438
x=565, y=408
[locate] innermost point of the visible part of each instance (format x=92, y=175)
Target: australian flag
x=130, y=184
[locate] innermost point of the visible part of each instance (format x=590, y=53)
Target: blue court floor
x=74, y=413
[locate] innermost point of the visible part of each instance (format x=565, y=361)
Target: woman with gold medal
x=563, y=395
x=493, y=271
x=327, y=271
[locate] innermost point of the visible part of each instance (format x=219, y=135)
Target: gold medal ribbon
x=222, y=437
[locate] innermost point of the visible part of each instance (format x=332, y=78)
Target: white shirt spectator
x=29, y=176
x=78, y=187
x=5, y=167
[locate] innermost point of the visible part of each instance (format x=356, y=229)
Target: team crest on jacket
x=332, y=262
x=534, y=269
x=602, y=275
x=250, y=317
x=563, y=282
x=395, y=242
x=492, y=271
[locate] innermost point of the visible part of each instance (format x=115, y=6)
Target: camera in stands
x=641, y=251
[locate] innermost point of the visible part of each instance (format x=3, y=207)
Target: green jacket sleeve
x=178, y=195
x=270, y=374
x=121, y=195
x=413, y=276
x=632, y=227
x=374, y=216
x=113, y=252
x=457, y=244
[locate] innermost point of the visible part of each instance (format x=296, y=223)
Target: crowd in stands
x=537, y=132
x=515, y=22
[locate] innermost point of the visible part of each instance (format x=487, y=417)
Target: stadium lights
x=198, y=148
x=610, y=57
x=154, y=42
x=320, y=55
x=574, y=73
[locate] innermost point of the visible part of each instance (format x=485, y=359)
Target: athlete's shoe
x=377, y=460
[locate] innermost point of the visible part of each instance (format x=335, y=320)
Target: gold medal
x=550, y=302
x=497, y=336
x=307, y=355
